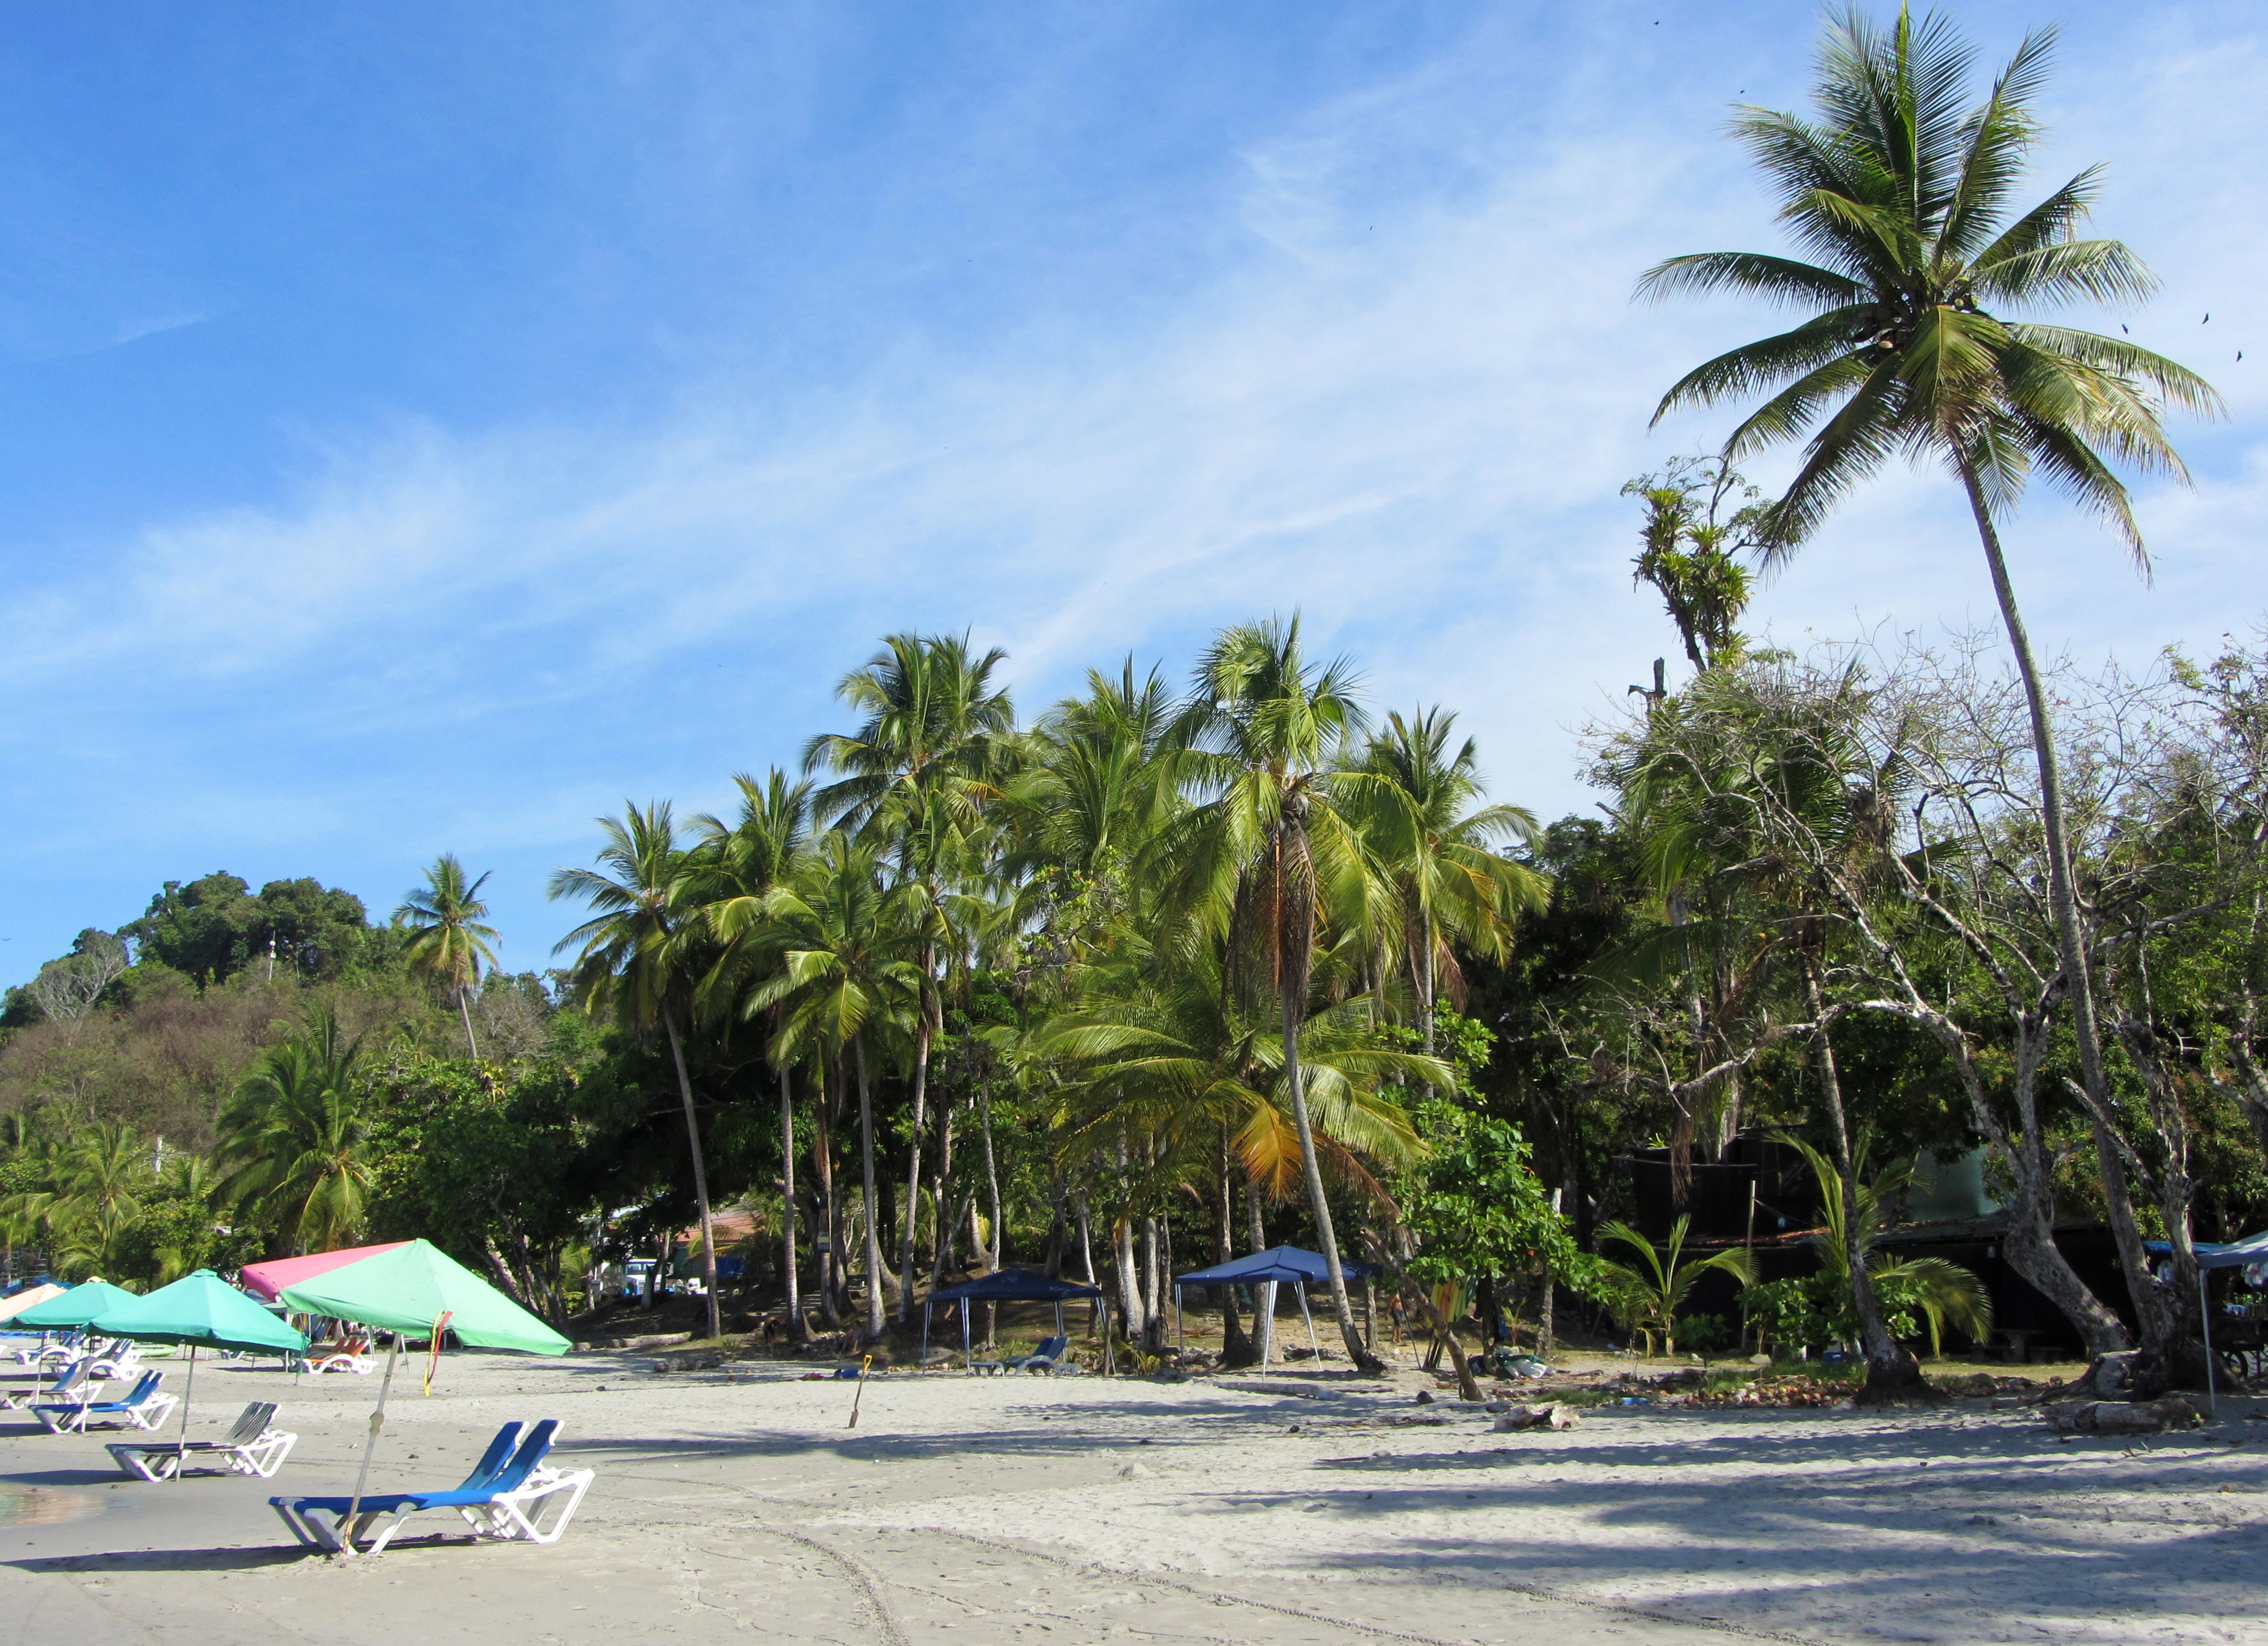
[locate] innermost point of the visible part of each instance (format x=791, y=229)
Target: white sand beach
x=736, y=1504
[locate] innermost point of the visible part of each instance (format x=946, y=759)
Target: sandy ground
x=1085, y=1508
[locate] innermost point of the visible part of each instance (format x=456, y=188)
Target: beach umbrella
x=267, y=1280
x=204, y=1311
x=78, y=1306
x=30, y=1297
x=418, y=1289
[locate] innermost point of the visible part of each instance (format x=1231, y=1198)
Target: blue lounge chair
x=1045, y=1357
x=145, y=1407
x=505, y=1497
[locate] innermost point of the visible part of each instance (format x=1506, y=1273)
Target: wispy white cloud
x=1405, y=407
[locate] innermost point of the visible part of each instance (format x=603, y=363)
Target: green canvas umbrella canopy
x=200, y=1309
x=411, y=1287
x=204, y=1312
x=76, y=1307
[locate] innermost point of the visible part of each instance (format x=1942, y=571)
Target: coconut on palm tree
x=639, y=954
x=1922, y=284
x=447, y=941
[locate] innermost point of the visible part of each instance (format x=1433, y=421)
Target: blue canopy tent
x=1009, y=1285
x=2245, y=1253
x=1282, y=1264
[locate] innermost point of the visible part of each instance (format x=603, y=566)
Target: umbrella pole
x=188, y=1390
x=2205, y=1325
x=376, y=1422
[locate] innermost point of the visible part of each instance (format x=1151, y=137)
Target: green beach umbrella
x=78, y=1306
x=204, y=1312
x=419, y=1288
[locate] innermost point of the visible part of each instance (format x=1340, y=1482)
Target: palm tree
x=917, y=769
x=842, y=936
x=1268, y=856
x=637, y=952
x=1943, y=1291
x=1434, y=841
x=448, y=941
x=1903, y=190
x=1648, y=1299
x=294, y=1137
x=745, y=863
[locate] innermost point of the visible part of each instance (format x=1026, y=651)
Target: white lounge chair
x=252, y=1447
x=145, y=1407
x=77, y=1380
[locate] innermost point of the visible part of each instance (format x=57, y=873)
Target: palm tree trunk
x=2071, y=946
x=822, y=1154
x=1263, y=1294
x=1892, y=1373
x=991, y=1175
x=1425, y=973
x=700, y=1174
x=872, y=1232
x=793, y=1299
x=914, y=1147
x=466, y=1011
x=1236, y=1347
x=1318, y=1202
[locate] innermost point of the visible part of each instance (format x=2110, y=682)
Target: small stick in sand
x=863, y=1363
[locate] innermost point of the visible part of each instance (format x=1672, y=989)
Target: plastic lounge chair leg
x=304, y=1527
x=522, y=1514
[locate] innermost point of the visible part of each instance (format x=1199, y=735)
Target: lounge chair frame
x=529, y=1503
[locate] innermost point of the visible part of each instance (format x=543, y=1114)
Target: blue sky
x=426, y=426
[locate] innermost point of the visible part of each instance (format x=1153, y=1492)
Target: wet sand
x=740, y=1506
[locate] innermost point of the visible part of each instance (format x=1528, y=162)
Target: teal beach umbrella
x=78, y=1306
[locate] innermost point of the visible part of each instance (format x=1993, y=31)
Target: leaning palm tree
x=1901, y=190
x=295, y=1138
x=1435, y=841
x=637, y=953
x=1648, y=1295
x=448, y=941
x=1268, y=857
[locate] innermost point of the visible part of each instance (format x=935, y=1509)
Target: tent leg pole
x=1180, y=1338
x=188, y=1391
x=376, y=1422
x=2205, y=1325
x=1310, y=1319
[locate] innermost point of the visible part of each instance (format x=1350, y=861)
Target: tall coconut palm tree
x=744, y=863
x=295, y=1138
x=638, y=953
x=448, y=941
x=917, y=769
x=1903, y=191
x=1268, y=856
x=844, y=938
x=1435, y=843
